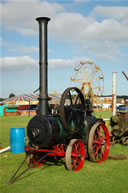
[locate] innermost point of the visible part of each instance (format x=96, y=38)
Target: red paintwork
x=77, y=155
x=57, y=150
x=101, y=138
x=52, y=152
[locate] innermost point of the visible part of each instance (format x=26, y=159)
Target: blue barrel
x=17, y=140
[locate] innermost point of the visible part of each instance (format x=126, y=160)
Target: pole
x=114, y=93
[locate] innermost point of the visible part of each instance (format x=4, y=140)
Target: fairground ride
x=88, y=77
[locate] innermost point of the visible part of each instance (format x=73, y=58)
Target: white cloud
x=26, y=31
x=20, y=15
x=23, y=49
x=87, y=33
x=16, y=48
x=66, y=26
x=63, y=63
x=100, y=39
x=23, y=63
x=111, y=12
x=27, y=63
x=81, y=29
x=69, y=26
x=60, y=63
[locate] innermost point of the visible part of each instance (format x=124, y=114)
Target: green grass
x=107, y=177
x=103, y=114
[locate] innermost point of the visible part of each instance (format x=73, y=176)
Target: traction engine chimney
x=43, y=65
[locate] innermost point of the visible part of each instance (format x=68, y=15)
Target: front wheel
x=75, y=155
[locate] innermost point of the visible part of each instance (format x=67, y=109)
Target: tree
x=1, y=99
x=11, y=95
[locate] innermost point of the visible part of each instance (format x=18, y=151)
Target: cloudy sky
x=79, y=30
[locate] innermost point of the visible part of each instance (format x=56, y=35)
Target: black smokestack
x=43, y=64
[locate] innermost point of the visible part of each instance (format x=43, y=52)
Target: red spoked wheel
x=75, y=155
x=32, y=159
x=98, y=142
x=59, y=149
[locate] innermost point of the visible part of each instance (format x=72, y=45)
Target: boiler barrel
x=44, y=131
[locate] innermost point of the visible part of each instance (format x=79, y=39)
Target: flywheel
x=72, y=109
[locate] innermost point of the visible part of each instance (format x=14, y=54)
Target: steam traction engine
x=119, y=124
x=72, y=134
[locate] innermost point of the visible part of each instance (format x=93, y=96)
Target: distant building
x=109, y=100
x=106, y=102
x=126, y=101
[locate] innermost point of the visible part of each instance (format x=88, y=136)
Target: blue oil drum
x=17, y=140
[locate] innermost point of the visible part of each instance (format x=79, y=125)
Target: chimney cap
x=43, y=19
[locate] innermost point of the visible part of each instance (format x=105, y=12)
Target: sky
x=79, y=30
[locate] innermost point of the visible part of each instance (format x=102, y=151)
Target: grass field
x=110, y=176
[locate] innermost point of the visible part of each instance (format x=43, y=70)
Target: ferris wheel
x=89, y=78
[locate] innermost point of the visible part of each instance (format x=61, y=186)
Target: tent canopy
x=29, y=99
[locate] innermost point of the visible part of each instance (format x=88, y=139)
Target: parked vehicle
x=122, y=108
x=119, y=125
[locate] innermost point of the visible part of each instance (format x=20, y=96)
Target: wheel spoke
x=77, y=99
x=74, y=163
x=94, y=146
x=103, y=134
x=98, y=132
x=97, y=149
x=70, y=118
x=97, y=141
x=70, y=97
x=102, y=153
x=76, y=147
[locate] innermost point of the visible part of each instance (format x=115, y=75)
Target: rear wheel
x=98, y=142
